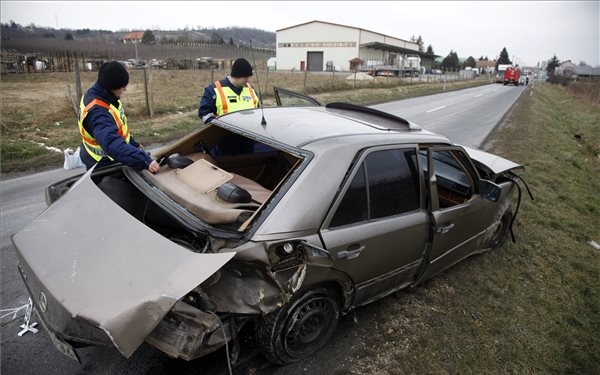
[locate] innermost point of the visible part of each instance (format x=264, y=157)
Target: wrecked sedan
x=283, y=218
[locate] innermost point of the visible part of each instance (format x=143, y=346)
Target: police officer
x=103, y=125
x=233, y=93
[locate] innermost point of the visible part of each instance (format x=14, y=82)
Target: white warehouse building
x=325, y=46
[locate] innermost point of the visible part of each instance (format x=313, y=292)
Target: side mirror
x=490, y=190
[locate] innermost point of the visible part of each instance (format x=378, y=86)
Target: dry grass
x=529, y=308
x=588, y=90
x=37, y=111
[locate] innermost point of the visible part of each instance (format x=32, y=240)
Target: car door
x=460, y=216
x=378, y=226
x=288, y=98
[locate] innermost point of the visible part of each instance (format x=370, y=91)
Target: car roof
x=299, y=126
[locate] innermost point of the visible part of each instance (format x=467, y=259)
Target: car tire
x=299, y=328
x=502, y=231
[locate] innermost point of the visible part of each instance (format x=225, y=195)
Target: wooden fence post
x=305, y=77
x=148, y=91
x=266, y=83
x=77, y=80
x=75, y=108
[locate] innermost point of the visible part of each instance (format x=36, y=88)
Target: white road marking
x=435, y=109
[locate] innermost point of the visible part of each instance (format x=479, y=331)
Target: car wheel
x=299, y=328
x=502, y=231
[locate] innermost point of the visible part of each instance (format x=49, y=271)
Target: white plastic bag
x=72, y=159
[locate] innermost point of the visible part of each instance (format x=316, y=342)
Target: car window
x=385, y=184
x=287, y=98
x=454, y=184
x=354, y=206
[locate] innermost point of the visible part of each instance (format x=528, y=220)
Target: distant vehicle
x=158, y=64
x=512, y=76
x=434, y=71
x=207, y=63
x=127, y=64
x=524, y=80
x=407, y=67
x=500, y=72
x=397, y=71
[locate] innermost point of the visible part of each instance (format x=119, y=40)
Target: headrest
x=232, y=193
x=177, y=161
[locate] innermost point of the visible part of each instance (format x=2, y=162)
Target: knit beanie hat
x=241, y=68
x=113, y=75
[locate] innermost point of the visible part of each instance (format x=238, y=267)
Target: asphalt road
x=466, y=117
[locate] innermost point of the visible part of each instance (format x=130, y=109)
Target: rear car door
x=378, y=226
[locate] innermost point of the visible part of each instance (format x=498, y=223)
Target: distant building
x=565, y=69
x=585, y=72
x=133, y=37
x=355, y=64
x=485, y=66
x=325, y=46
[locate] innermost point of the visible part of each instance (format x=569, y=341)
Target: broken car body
x=286, y=225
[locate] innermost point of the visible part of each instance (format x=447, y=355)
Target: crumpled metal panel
x=247, y=289
x=495, y=163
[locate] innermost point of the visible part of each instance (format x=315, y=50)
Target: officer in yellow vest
x=103, y=125
x=233, y=93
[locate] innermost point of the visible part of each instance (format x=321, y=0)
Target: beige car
x=281, y=218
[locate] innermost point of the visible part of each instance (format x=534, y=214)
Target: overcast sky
x=531, y=31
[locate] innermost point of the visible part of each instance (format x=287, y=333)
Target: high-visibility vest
x=228, y=101
x=89, y=142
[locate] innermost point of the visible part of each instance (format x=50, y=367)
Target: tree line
x=452, y=62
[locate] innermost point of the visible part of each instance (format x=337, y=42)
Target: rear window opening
x=221, y=177
x=119, y=188
x=213, y=182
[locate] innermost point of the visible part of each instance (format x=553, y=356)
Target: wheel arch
x=339, y=283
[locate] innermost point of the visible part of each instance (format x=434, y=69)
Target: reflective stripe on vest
x=89, y=142
x=246, y=100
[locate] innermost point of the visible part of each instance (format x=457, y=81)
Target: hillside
x=14, y=33
x=58, y=49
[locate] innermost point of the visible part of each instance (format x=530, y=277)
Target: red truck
x=512, y=75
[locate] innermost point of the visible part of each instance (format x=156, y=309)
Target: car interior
x=220, y=176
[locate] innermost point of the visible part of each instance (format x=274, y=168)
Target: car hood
x=494, y=163
x=97, y=264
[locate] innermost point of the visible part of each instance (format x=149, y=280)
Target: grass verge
x=532, y=307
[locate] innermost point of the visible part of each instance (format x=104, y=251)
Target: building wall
x=338, y=43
